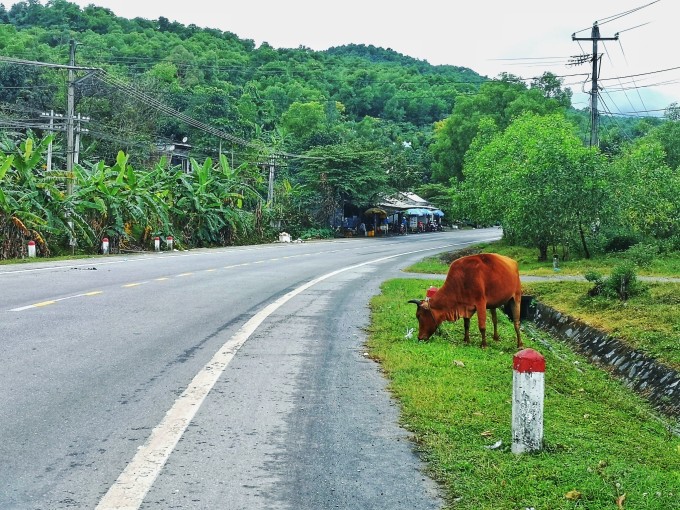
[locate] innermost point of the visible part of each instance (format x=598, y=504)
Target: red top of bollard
x=169, y=238
x=31, y=243
x=528, y=360
x=105, y=240
x=431, y=291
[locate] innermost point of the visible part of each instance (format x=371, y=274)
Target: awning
x=417, y=212
x=438, y=213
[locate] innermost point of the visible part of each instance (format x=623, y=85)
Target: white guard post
x=31, y=249
x=157, y=244
x=528, y=383
x=170, y=240
x=105, y=246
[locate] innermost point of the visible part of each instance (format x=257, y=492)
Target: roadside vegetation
x=648, y=321
x=605, y=448
x=182, y=139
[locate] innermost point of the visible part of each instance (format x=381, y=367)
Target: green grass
x=667, y=265
x=649, y=323
x=600, y=439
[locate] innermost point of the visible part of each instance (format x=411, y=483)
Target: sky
x=640, y=72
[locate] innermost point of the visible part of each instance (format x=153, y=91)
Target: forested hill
x=381, y=55
x=292, y=98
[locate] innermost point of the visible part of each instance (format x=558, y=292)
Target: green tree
x=500, y=100
x=537, y=179
x=302, y=120
x=351, y=172
x=644, y=191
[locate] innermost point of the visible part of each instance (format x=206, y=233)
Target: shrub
x=622, y=283
x=620, y=242
x=598, y=280
x=642, y=255
x=317, y=233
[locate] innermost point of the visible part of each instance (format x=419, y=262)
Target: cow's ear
x=416, y=301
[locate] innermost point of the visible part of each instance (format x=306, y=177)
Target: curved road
x=229, y=378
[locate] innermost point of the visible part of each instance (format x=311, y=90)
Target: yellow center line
x=162, y=279
x=184, y=274
x=93, y=293
x=44, y=303
x=127, y=285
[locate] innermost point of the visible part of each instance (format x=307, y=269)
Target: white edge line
x=129, y=490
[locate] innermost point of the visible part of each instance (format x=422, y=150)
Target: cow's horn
x=416, y=301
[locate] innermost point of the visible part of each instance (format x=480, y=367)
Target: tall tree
x=345, y=172
x=537, y=179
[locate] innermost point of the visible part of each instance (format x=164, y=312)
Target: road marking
x=52, y=301
x=44, y=303
x=136, y=284
x=129, y=490
x=184, y=274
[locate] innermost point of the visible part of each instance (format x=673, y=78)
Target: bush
x=642, y=255
x=620, y=242
x=598, y=280
x=317, y=233
x=622, y=283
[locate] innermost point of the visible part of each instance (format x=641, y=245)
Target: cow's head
x=427, y=324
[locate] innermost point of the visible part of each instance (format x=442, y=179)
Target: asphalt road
x=212, y=379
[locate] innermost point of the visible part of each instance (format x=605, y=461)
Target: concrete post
x=31, y=249
x=105, y=246
x=157, y=243
x=528, y=383
x=169, y=241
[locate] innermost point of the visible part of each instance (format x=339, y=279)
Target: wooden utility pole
x=270, y=191
x=70, y=132
x=594, y=116
x=70, y=117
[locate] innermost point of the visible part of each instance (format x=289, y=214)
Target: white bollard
x=31, y=249
x=528, y=383
x=157, y=244
x=105, y=246
x=169, y=240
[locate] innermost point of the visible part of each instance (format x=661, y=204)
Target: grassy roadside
x=605, y=448
x=602, y=443
x=649, y=323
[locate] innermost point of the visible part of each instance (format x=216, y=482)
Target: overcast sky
x=524, y=37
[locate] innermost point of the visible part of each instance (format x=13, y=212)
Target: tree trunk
x=583, y=240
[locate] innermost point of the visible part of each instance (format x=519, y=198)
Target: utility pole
x=270, y=191
x=70, y=117
x=51, y=116
x=594, y=116
x=70, y=135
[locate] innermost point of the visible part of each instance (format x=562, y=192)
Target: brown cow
x=473, y=284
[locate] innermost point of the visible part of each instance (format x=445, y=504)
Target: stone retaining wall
x=656, y=382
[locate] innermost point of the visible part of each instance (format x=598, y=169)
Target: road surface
x=229, y=378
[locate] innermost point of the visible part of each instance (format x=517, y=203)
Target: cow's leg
x=466, y=326
x=494, y=319
x=515, y=316
x=481, y=318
